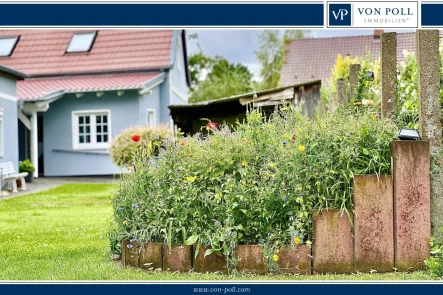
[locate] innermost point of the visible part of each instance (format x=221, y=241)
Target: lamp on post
x=408, y=134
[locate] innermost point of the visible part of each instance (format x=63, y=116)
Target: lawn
x=60, y=234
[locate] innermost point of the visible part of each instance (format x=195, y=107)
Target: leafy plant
x=26, y=166
x=124, y=150
x=434, y=264
x=256, y=184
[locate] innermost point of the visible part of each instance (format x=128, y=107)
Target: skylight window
x=81, y=42
x=7, y=45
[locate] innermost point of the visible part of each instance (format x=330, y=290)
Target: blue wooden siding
x=10, y=127
x=59, y=157
x=178, y=73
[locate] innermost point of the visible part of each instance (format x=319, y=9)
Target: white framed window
x=151, y=119
x=81, y=42
x=7, y=45
x=91, y=129
x=1, y=132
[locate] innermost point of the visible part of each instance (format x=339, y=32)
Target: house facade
x=85, y=87
x=8, y=115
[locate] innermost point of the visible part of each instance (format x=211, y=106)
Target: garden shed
x=189, y=118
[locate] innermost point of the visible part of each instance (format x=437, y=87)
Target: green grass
x=60, y=234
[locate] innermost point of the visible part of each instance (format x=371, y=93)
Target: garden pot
x=177, y=257
x=19, y=183
x=250, y=259
x=210, y=263
x=29, y=178
x=295, y=260
x=151, y=256
x=130, y=254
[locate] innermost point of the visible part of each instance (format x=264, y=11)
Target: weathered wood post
x=353, y=77
x=388, y=71
x=341, y=92
x=428, y=63
x=332, y=101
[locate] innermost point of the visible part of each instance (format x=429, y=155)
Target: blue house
x=84, y=87
x=8, y=115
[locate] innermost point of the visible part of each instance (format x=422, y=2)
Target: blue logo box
x=339, y=14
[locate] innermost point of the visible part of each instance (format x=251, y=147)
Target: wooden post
x=428, y=63
x=388, y=71
x=354, y=71
x=341, y=92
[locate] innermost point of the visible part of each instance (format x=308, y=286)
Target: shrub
x=258, y=184
x=123, y=149
x=26, y=166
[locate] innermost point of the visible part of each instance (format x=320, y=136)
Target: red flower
x=294, y=137
x=135, y=138
x=212, y=125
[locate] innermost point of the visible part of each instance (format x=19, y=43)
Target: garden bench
x=9, y=176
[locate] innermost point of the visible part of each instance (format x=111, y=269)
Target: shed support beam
x=34, y=142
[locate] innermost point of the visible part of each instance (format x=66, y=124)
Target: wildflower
x=367, y=102
x=134, y=205
x=357, y=103
x=244, y=163
x=233, y=234
x=277, y=251
x=121, y=209
x=156, y=137
x=301, y=148
x=179, y=170
x=275, y=257
x=132, y=240
x=125, y=222
x=284, y=199
x=284, y=142
x=284, y=108
x=294, y=137
x=276, y=242
x=267, y=257
x=211, y=125
x=297, y=240
x=271, y=165
x=135, y=138
x=129, y=246
x=309, y=243
x=182, y=142
x=243, y=202
x=191, y=179
x=150, y=162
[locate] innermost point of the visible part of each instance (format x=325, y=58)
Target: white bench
x=10, y=177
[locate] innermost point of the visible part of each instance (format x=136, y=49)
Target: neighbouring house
x=8, y=115
x=190, y=118
x=314, y=58
x=85, y=86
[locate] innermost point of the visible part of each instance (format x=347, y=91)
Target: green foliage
x=434, y=264
x=256, y=185
x=271, y=54
x=124, y=151
x=26, y=166
x=222, y=78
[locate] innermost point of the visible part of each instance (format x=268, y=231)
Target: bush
x=434, y=263
x=124, y=150
x=26, y=166
x=256, y=185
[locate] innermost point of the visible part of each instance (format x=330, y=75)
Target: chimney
x=377, y=33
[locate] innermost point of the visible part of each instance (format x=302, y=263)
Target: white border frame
x=89, y=146
x=155, y=117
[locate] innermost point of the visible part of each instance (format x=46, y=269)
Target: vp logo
x=340, y=14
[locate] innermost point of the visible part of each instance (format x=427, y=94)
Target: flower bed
x=257, y=185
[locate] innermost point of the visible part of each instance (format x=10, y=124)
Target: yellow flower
x=301, y=148
x=267, y=257
x=357, y=103
x=277, y=251
x=182, y=142
x=243, y=163
x=284, y=108
x=125, y=222
x=191, y=179
x=272, y=165
x=276, y=242
x=297, y=240
x=367, y=102
x=275, y=257
x=308, y=243
x=267, y=174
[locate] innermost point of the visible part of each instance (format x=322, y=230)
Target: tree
x=216, y=77
x=271, y=54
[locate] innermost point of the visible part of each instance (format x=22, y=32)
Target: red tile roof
x=43, y=52
x=35, y=89
x=314, y=58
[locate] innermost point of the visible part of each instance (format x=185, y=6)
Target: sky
x=239, y=45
